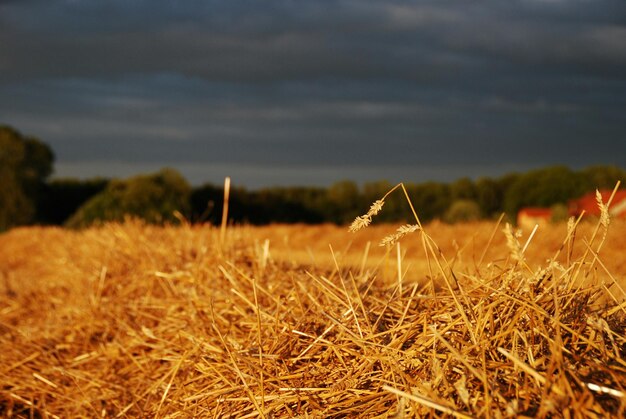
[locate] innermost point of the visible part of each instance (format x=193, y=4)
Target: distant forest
x=29, y=197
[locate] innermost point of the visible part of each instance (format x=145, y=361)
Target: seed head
x=400, y=232
x=512, y=243
x=360, y=222
x=363, y=221
x=376, y=207
x=605, y=219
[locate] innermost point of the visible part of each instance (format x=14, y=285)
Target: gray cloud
x=327, y=83
x=237, y=41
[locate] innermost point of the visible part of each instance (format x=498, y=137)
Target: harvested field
x=130, y=320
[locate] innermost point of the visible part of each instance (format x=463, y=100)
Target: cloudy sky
x=280, y=92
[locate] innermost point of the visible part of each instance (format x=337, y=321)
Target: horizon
x=218, y=182
x=260, y=177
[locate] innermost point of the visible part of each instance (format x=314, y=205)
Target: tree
x=430, y=199
x=489, y=196
x=543, y=188
x=344, y=200
x=603, y=177
x=62, y=197
x=206, y=203
x=463, y=188
x=25, y=163
x=154, y=198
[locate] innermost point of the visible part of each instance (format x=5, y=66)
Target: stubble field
x=129, y=320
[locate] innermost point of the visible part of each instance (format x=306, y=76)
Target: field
x=131, y=320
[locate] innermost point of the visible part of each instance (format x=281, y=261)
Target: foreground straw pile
x=133, y=320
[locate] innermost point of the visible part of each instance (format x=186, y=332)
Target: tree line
x=28, y=196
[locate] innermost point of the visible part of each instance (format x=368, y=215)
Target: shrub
x=559, y=213
x=153, y=198
x=462, y=210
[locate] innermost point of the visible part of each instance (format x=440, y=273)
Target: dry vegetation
x=135, y=320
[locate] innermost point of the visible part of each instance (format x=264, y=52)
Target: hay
x=130, y=320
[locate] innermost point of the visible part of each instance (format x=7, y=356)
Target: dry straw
x=365, y=220
x=131, y=320
x=512, y=242
x=400, y=232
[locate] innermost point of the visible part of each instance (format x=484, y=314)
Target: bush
x=559, y=213
x=462, y=210
x=153, y=198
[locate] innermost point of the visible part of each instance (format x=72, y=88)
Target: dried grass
x=131, y=320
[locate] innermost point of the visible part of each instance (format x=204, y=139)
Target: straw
x=133, y=320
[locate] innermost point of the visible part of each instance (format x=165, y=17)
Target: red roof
x=533, y=215
x=589, y=204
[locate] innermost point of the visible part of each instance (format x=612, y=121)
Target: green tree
x=154, y=198
x=25, y=163
x=430, y=199
x=489, y=196
x=463, y=188
x=543, y=188
x=344, y=202
x=603, y=177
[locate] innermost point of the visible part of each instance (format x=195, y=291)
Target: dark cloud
x=319, y=84
x=243, y=41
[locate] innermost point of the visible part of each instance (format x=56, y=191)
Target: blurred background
x=316, y=106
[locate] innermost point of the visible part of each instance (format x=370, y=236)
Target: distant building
x=589, y=205
x=528, y=217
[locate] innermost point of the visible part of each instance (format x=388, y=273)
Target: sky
x=287, y=92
